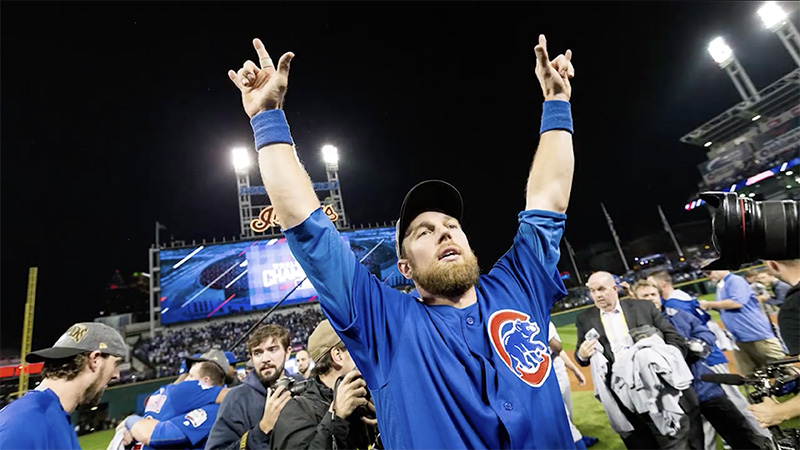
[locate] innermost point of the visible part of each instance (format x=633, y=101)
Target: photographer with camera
x=332, y=411
x=744, y=231
x=248, y=414
x=769, y=412
x=788, y=271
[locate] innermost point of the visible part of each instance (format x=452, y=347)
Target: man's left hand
x=554, y=75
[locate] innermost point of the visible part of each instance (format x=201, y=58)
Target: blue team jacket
x=691, y=327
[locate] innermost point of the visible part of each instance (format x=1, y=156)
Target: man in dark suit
x=613, y=319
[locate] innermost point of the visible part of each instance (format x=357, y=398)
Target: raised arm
x=287, y=183
x=550, y=178
x=720, y=304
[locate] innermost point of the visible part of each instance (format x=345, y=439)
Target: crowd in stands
x=167, y=349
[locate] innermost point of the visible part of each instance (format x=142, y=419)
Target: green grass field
x=591, y=420
x=96, y=441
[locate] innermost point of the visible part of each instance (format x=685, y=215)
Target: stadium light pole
x=330, y=154
x=242, y=162
x=777, y=20
x=723, y=55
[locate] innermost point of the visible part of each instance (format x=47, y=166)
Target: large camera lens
x=745, y=230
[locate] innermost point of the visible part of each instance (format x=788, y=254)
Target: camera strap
x=333, y=411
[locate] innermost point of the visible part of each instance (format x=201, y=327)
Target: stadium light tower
x=723, y=55
x=330, y=155
x=776, y=20
x=241, y=165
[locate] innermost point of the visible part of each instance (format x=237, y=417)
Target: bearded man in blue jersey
x=491, y=383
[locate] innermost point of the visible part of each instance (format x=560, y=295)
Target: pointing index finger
x=263, y=56
x=541, y=51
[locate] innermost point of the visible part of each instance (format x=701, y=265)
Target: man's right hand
x=273, y=407
x=587, y=349
x=351, y=393
x=264, y=87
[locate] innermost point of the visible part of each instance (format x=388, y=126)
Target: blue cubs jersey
x=177, y=399
x=37, y=421
x=188, y=431
x=443, y=377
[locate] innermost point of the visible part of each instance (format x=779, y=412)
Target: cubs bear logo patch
x=514, y=337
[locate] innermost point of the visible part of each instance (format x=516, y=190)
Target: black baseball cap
x=429, y=195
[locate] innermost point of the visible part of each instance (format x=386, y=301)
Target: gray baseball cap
x=214, y=355
x=83, y=337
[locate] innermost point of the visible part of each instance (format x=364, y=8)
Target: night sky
x=115, y=115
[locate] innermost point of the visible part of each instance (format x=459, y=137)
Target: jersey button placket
x=508, y=406
x=470, y=320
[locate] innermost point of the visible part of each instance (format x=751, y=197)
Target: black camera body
x=776, y=378
x=745, y=230
x=785, y=381
x=294, y=387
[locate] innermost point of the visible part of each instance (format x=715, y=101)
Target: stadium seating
x=165, y=352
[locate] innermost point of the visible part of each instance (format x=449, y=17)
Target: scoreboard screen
x=215, y=280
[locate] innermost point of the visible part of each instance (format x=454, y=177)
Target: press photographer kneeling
x=333, y=411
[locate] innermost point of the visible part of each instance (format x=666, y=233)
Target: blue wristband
x=131, y=421
x=270, y=127
x=556, y=115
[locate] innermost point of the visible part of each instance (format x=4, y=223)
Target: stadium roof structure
x=774, y=100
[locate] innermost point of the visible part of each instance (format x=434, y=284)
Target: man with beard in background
x=466, y=364
x=76, y=371
x=249, y=412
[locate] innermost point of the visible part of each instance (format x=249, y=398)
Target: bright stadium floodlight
x=241, y=159
x=330, y=155
x=723, y=55
x=777, y=20
x=772, y=15
x=720, y=51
